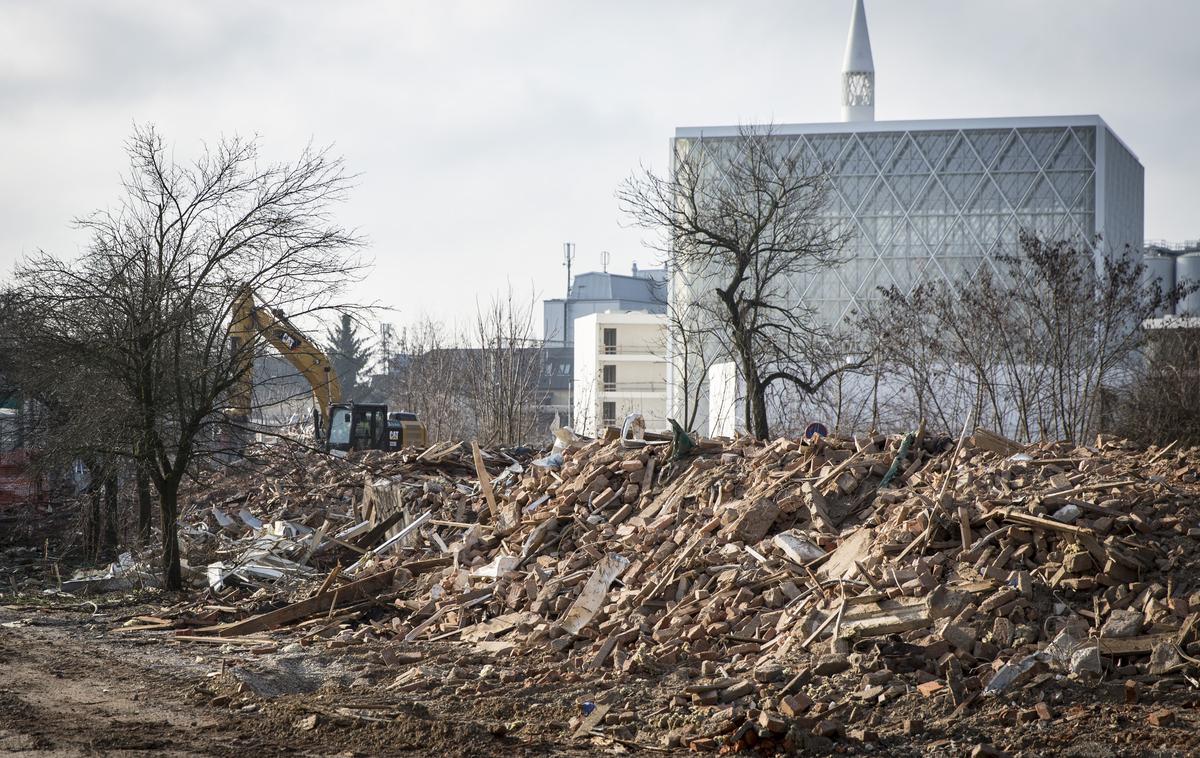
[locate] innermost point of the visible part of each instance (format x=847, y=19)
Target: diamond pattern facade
x=939, y=200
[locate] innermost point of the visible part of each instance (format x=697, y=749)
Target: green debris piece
x=896, y=464
x=683, y=443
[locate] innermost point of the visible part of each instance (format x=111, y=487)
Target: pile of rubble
x=777, y=595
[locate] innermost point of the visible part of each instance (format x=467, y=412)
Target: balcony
x=633, y=352
x=653, y=423
x=631, y=349
x=639, y=388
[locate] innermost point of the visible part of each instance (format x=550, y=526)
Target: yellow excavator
x=337, y=425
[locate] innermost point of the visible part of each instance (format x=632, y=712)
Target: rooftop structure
x=599, y=291
x=1171, y=264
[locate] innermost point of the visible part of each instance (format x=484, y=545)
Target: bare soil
x=74, y=686
x=68, y=688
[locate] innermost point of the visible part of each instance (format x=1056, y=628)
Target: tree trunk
x=168, y=502
x=94, y=517
x=757, y=393
x=112, y=539
x=145, y=505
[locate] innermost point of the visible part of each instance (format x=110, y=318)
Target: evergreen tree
x=349, y=355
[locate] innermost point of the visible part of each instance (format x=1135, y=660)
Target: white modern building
x=620, y=368
x=589, y=292
x=939, y=199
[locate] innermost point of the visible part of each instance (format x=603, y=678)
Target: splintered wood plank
x=485, y=480
x=591, y=599
x=1131, y=645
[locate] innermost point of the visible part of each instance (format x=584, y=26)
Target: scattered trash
x=633, y=431
x=1067, y=514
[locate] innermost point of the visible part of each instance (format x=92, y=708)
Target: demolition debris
x=722, y=594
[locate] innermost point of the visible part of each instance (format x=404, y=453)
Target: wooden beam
x=1134, y=645
x=485, y=480
x=1028, y=519
x=1071, y=492
x=377, y=532
x=964, y=527
x=364, y=587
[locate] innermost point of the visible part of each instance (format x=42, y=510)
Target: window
x=609, y=412
x=339, y=428
x=609, y=377
x=610, y=341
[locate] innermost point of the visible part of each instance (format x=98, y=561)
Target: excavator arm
x=251, y=322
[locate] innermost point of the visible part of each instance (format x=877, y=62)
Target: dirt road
x=65, y=694
x=69, y=689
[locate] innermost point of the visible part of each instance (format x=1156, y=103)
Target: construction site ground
x=72, y=686
x=413, y=669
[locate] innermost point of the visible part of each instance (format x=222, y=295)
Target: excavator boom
x=251, y=322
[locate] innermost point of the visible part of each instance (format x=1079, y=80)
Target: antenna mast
x=385, y=346
x=568, y=256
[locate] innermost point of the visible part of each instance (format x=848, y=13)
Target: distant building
x=600, y=291
x=620, y=368
x=1171, y=264
x=941, y=200
x=556, y=386
x=591, y=292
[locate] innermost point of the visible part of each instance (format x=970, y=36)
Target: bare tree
x=743, y=218
x=692, y=347
x=483, y=381
x=504, y=371
x=1032, y=351
x=918, y=340
x=1087, y=318
x=63, y=422
x=147, y=306
x=1161, y=404
x=430, y=365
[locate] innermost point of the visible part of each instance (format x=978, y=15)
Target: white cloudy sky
x=487, y=132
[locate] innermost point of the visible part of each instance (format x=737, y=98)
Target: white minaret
x=858, y=70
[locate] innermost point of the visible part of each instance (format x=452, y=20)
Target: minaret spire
x=858, y=70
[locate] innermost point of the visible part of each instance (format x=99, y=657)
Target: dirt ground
x=69, y=688
x=72, y=685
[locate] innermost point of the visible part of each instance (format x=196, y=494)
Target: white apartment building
x=620, y=368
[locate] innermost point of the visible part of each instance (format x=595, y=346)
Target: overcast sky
x=489, y=132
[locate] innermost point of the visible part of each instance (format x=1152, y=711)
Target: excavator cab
x=358, y=426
